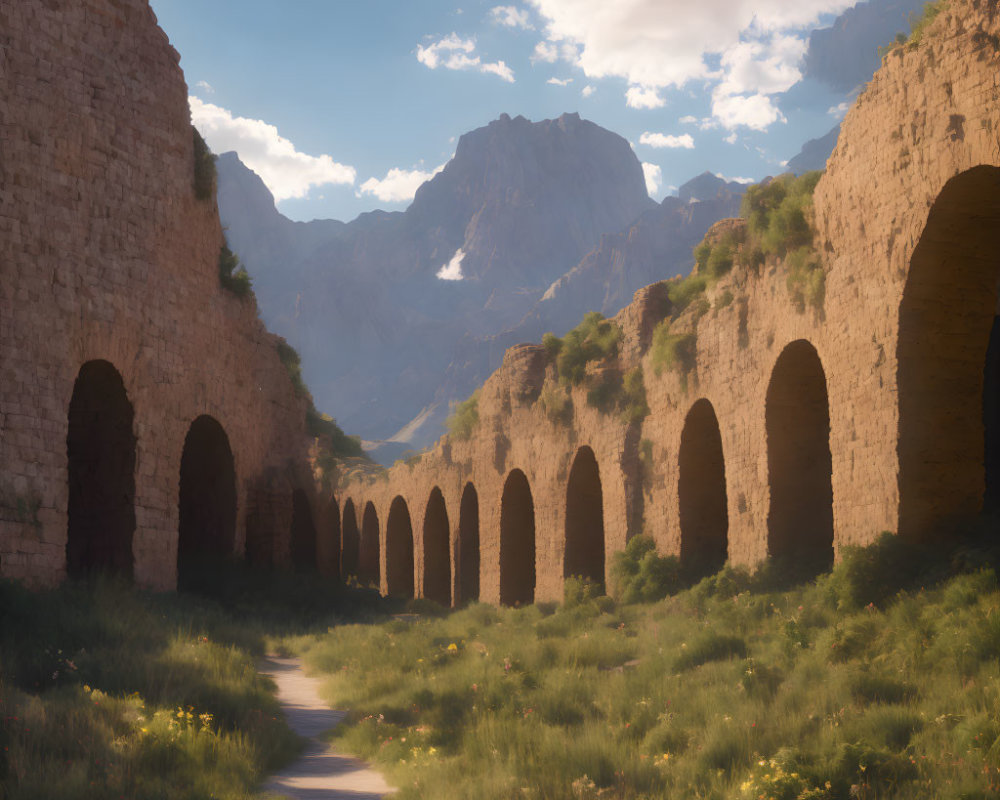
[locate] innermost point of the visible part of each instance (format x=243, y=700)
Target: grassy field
x=878, y=680
x=107, y=692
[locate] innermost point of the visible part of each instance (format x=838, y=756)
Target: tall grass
x=108, y=692
x=878, y=680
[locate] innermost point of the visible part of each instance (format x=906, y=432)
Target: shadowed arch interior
x=437, y=560
x=100, y=446
x=800, y=468
x=701, y=492
x=335, y=536
x=369, y=566
x=467, y=547
x=207, y=503
x=303, y=539
x=517, y=541
x=350, y=538
x=399, y=550
x=948, y=354
x=584, y=554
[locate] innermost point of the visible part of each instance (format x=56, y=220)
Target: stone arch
x=800, y=467
x=206, y=529
x=948, y=360
x=701, y=492
x=437, y=559
x=399, y=550
x=467, y=547
x=100, y=446
x=335, y=537
x=517, y=541
x=350, y=541
x=303, y=535
x=369, y=568
x=584, y=551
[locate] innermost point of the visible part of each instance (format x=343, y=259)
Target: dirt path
x=321, y=773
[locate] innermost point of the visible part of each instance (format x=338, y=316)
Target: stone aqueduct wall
x=908, y=219
x=106, y=255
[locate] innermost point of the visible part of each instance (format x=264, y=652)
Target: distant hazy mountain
x=814, y=153
x=519, y=205
x=845, y=55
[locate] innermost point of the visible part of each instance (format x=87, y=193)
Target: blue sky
x=343, y=106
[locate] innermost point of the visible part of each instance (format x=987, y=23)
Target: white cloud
x=688, y=120
x=757, y=111
x=398, y=185
x=560, y=81
x=550, y=52
x=684, y=141
x=643, y=97
x=656, y=44
x=512, y=17
x=731, y=138
x=452, y=271
x=733, y=180
x=451, y=52
x=205, y=86
x=654, y=178
x=286, y=172
x=588, y=91
x=838, y=111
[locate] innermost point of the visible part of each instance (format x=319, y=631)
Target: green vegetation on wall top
x=233, y=276
x=465, y=417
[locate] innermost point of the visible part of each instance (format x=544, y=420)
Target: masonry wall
x=106, y=253
x=931, y=115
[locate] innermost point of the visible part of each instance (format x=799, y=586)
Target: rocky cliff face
x=549, y=220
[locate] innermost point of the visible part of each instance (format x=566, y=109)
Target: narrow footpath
x=321, y=773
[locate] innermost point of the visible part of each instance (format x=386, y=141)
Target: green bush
x=724, y=300
x=594, y=339
x=683, y=292
x=672, y=351
x=777, y=213
x=465, y=417
x=321, y=425
x=205, y=175
x=552, y=345
x=232, y=275
x=634, y=405
x=556, y=403
x=606, y=394
x=918, y=26
x=292, y=362
x=874, y=574
x=806, y=281
x=710, y=646
x=639, y=574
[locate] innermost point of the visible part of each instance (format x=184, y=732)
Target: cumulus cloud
x=588, y=91
x=452, y=271
x=755, y=111
x=398, y=185
x=733, y=180
x=285, y=171
x=839, y=110
x=512, y=17
x=752, y=47
x=550, y=52
x=684, y=141
x=688, y=120
x=643, y=97
x=731, y=138
x=205, y=86
x=455, y=53
x=560, y=81
x=654, y=178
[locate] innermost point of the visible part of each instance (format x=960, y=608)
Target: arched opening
x=369, y=568
x=335, y=537
x=948, y=355
x=303, y=539
x=207, y=507
x=350, y=541
x=584, y=555
x=467, y=547
x=100, y=446
x=437, y=560
x=800, y=469
x=517, y=542
x=701, y=493
x=399, y=550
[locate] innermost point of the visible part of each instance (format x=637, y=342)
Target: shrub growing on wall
x=204, y=168
x=465, y=417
